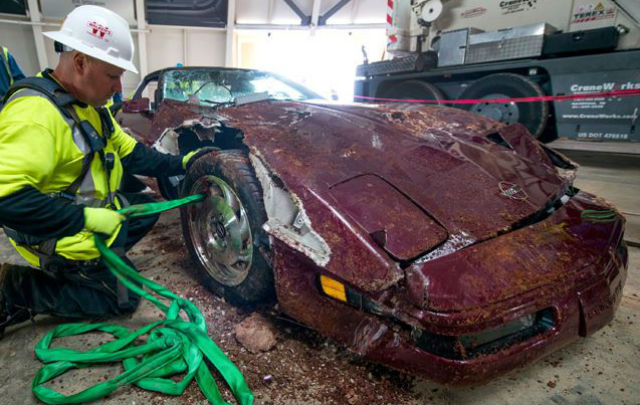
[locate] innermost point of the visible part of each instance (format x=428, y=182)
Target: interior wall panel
x=358, y=12
x=165, y=47
x=252, y=11
x=19, y=40
x=257, y=11
x=206, y=48
x=283, y=14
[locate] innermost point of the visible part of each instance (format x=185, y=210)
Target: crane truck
x=505, y=49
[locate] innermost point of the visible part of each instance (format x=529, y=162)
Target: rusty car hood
x=383, y=186
x=438, y=158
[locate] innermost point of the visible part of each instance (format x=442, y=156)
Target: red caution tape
x=584, y=96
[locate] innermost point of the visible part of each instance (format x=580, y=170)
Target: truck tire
x=412, y=89
x=224, y=233
x=534, y=115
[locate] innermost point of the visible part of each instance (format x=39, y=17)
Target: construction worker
x=9, y=72
x=62, y=160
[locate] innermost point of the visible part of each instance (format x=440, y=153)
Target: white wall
x=19, y=40
x=270, y=11
x=359, y=12
x=169, y=46
x=206, y=48
x=164, y=48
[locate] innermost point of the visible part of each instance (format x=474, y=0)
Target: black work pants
x=77, y=289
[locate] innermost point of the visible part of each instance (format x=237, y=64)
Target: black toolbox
x=581, y=42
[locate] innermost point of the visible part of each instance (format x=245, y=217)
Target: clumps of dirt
x=303, y=366
x=256, y=333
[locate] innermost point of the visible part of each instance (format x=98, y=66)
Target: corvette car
x=429, y=239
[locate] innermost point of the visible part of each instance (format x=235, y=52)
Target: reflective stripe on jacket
x=5, y=62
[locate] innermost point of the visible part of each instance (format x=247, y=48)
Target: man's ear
x=80, y=63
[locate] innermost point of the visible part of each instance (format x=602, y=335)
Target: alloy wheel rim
x=220, y=231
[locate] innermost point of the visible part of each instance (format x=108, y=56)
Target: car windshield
x=218, y=86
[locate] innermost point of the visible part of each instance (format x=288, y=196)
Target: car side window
x=147, y=89
x=150, y=92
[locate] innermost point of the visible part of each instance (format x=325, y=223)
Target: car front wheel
x=224, y=233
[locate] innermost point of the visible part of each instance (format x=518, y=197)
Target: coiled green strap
x=173, y=346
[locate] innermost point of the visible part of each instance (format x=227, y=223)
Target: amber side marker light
x=333, y=288
x=337, y=290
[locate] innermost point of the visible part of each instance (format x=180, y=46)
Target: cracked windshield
x=213, y=87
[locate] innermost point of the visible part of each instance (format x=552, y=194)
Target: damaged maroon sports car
x=426, y=238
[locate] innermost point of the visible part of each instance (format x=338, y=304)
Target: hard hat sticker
x=99, y=30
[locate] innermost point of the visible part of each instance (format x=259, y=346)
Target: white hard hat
x=98, y=32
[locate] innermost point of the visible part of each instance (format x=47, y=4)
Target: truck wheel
x=534, y=116
x=223, y=234
x=412, y=89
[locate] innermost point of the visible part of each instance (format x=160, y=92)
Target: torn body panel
x=287, y=218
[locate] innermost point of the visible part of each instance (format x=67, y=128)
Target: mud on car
x=426, y=238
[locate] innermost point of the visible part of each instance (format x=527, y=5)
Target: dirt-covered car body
x=425, y=238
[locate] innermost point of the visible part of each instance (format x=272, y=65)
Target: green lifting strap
x=601, y=216
x=173, y=346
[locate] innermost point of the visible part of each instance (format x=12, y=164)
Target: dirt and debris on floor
x=302, y=367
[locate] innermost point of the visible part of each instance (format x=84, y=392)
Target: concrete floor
x=602, y=369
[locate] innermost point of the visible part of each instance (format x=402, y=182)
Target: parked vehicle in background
x=518, y=48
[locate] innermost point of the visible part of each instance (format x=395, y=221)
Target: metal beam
x=315, y=12
x=283, y=27
x=304, y=19
x=185, y=47
x=270, y=13
x=34, y=12
x=229, y=58
x=323, y=18
x=153, y=27
x=355, y=5
x=142, y=38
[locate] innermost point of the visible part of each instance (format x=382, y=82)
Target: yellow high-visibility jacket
x=41, y=155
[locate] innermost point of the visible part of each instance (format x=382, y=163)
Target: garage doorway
x=323, y=60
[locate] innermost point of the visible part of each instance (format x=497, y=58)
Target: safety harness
x=85, y=136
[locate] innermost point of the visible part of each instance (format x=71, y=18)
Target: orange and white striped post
x=391, y=28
